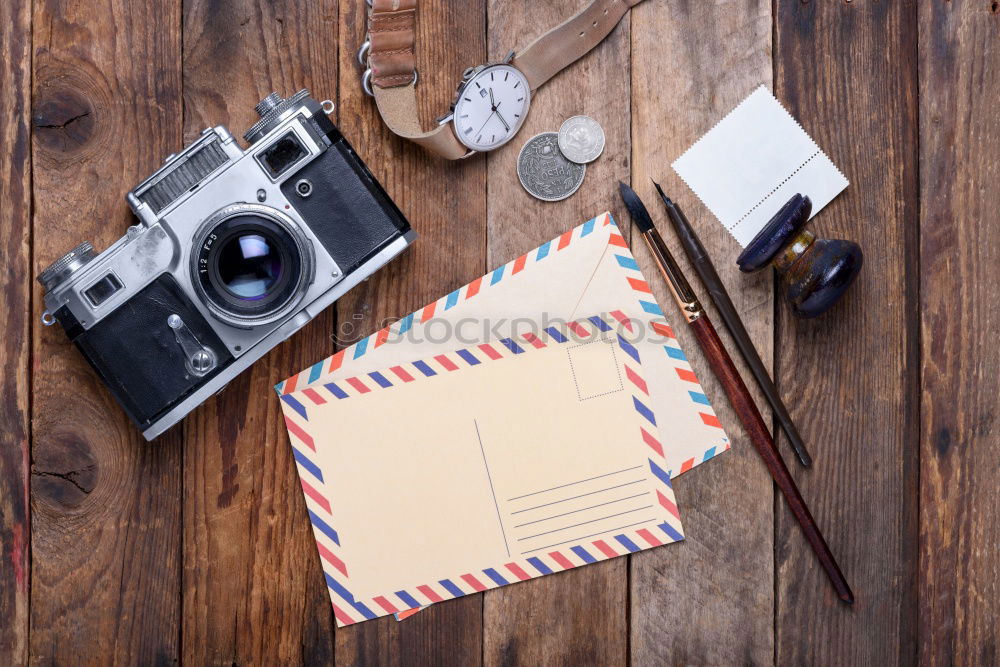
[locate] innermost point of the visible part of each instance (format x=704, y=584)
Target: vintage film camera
x=235, y=251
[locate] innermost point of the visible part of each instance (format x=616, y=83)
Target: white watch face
x=491, y=108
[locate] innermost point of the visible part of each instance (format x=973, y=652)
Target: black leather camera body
x=234, y=252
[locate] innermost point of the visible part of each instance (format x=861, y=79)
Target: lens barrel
x=251, y=264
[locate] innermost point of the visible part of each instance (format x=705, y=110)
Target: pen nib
x=663, y=195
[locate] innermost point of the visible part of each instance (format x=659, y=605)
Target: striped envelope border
x=347, y=608
x=316, y=373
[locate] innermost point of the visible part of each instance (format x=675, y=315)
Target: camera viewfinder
x=281, y=155
x=100, y=291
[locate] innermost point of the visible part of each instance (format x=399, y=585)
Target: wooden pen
x=720, y=297
x=739, y=396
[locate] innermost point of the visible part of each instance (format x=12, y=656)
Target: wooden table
x=197, y=547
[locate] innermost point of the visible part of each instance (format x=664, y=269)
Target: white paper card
x=753, y=161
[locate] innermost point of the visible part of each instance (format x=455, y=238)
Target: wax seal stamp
x=815, y=272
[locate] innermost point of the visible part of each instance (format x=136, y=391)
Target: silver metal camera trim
x=163, y=243
x=281, y=333
x=306, y=274
x=135, y=259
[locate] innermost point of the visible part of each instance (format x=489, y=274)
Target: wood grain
x=854, y=370
x=580, y=616
x=197, y=547
x=445, y=203
x=710, y=599
x=253, y=589
x=106, y=526
x=15, y=286
x=959, y=318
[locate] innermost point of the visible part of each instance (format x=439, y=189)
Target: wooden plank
x=253, y=587
x=847, y=71
x=579, y=616
x=15, y=319
x=446, y=205
x=709, y=599
x=959, y=317
x=105, y=576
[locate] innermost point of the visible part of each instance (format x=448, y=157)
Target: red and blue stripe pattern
x=671, y=348
x=634, y=278
x=347, y=608
x=321, y=368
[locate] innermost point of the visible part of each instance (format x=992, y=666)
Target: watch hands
x=494, y=111
x=495, y=106
x=505, y=125
x=486, y=121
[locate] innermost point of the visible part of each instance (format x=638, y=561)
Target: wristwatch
x=492, y=99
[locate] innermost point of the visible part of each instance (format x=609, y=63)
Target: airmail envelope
x=520, y=458
x=586, y=270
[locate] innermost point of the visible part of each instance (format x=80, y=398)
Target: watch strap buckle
x=366, y=81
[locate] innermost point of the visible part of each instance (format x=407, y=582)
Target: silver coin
x=545, y=172
x=581, y=139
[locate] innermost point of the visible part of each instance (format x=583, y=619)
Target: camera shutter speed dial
x=270, y=110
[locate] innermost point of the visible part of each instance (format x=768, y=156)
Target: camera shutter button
x=269, y=103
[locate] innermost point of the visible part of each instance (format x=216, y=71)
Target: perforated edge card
x=753, y=161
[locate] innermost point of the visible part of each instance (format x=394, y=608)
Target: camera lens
x=248, y=265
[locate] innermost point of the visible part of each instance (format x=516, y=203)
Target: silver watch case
x=467, y=76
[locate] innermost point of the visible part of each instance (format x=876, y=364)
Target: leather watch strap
x=570, y=40
x=392, y=34
x=392, y=30
x=398, y=108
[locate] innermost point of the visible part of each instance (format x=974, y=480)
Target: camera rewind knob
x=65, y=266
